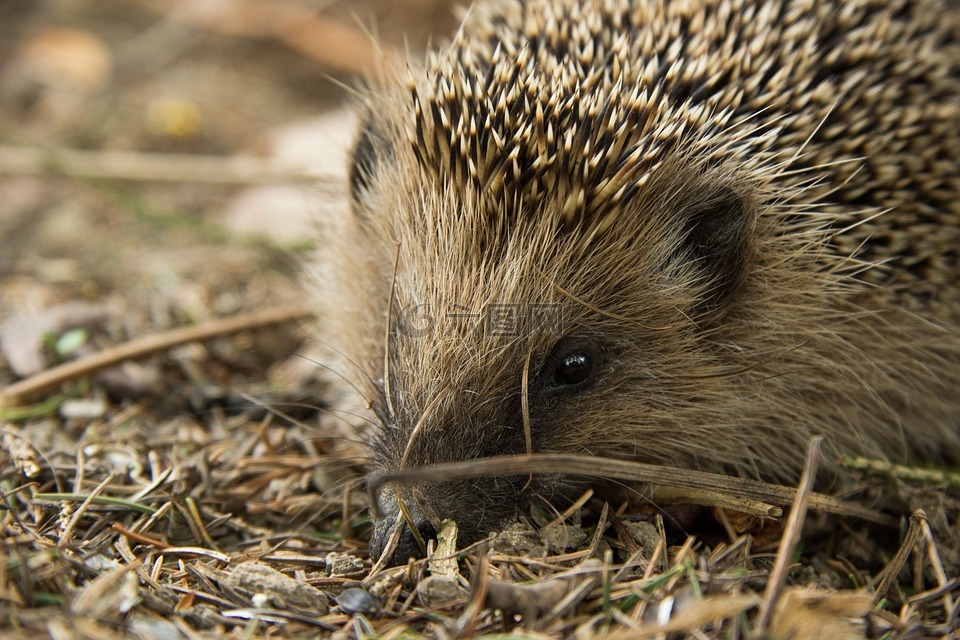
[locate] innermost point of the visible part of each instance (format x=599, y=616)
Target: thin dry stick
x=933, y=555
x=197, y=551
x=387, y=393
x=791, y=534
x=601, y=529
x=580, y=581
x=569, y=511
x=68, y=530
x=632, y=547
x=139, y=538
x=883, y=467
x=155, y=517
x=197, y=526
x=81, y=469
x=154, y=167
x=159, y=480
x=467, y=623
x=896, y=564
x=936, y=592
x=411, y=525
x=610, y=468
x=388, y=549
x=676, y=495
x=637, y=614
x=145, y=346
x=525, y=402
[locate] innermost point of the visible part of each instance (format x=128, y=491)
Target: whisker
x=813, y=133
x=273, y=410
x=741, y=370
x=422, y=421
x=601, y=312
x=366, y=400
x=525, y=401
x=360, y=460
x=360, y=370
x=387, y=332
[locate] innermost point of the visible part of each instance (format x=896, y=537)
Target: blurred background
x=161, y=162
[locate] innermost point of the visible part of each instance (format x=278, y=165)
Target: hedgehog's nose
x=407, y=546
x=383, y=529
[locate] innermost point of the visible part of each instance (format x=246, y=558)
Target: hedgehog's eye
x=574, y=369
x=572, y=363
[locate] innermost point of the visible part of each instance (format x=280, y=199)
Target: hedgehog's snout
x=384, y=528
x=478, y=506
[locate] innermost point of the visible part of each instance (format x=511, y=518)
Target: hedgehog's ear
x=368, y=153
x=716, y=226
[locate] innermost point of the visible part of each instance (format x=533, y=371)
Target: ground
x=167, y=468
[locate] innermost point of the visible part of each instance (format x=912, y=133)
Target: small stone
x=153, y=628
x=343, y=565
x=100, y=563
x=85, y=409
x=563, y=537
x=434, y=591
x=357, y=600
x=518, y=540
x=644, y=534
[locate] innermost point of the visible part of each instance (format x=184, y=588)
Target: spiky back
x=842, y=110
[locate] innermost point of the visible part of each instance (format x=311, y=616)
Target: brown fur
x=748, y=210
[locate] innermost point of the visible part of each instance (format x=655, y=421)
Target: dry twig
x=791, y=534
x=145, y=346
x=108, y=164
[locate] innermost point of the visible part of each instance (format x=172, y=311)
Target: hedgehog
x=692, y=233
